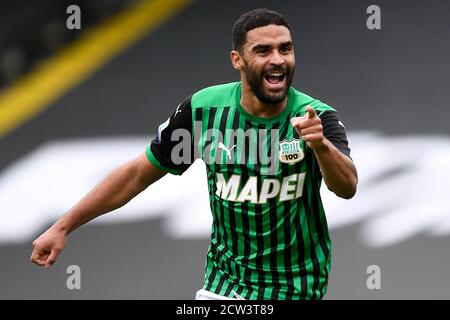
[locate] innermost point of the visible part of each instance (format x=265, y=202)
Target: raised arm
x=118, y=188
x=338, y=170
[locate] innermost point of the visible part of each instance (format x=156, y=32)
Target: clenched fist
x=47, y=247
x=309, y=127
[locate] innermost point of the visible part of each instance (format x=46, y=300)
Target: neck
x=251, y=103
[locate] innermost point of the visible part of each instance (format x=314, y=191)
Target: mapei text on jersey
x=258, y=189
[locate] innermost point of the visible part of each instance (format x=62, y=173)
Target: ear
x=236, y=60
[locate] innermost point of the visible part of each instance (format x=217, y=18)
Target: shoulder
x=302, y=100
x=216, y=96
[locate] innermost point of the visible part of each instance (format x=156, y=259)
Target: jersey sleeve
x=172, y=150
x=334, y=130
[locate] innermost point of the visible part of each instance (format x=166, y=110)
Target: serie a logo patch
x=290, y=151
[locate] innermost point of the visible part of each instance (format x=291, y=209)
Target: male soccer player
x=266, y=147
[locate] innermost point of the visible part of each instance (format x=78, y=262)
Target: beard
x=256, y=83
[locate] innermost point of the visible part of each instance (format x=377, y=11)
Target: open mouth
x=275, y=79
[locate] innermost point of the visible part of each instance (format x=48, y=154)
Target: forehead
x=271, y=35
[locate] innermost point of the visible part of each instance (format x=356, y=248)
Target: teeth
x=278, y=74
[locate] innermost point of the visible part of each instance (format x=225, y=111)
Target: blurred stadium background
x=76, y=103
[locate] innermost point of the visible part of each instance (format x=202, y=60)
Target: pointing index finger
x=311, y=112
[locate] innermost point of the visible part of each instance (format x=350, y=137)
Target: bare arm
x=117, y=189
x=338, y=171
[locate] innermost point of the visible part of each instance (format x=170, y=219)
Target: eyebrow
x=268, y=46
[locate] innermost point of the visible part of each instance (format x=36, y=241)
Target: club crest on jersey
x=290, y=151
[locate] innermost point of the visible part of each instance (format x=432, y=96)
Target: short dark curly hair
x=255, y=19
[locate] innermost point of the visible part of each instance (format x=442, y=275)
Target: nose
x=276, y=58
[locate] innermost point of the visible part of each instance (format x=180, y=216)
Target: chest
x=237, y=147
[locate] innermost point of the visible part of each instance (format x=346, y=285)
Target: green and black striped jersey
x=269, y=237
